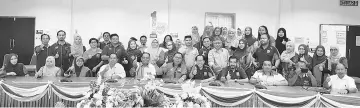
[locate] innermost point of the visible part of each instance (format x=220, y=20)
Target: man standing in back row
x=61, y=51
x=116, y=47
x=42, y=51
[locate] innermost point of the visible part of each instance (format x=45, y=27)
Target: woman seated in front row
x=176, y=71
x=13, y=68
x=49, y=69
x=78, y=69
x=201, y=71
x=268, y=77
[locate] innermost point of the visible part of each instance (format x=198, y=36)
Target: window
x=220, y=19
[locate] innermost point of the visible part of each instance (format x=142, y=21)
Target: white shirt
x=149, y=71
x=218, y=57
x=269, y=79
x=118, y=69
x=189, y=55
x=340, y=84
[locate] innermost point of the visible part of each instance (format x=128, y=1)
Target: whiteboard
x=333, y=35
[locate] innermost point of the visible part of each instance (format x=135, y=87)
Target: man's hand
x=125, y=61
x=57, y=55
x=343, y=91
x=321, y=68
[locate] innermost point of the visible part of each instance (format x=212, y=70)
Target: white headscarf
x=289, y=53
x=50, y=69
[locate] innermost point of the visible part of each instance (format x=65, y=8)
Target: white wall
x=302, y=18
x=187, y=13
x=131, y=18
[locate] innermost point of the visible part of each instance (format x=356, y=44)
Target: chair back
x=33, y=60
x=6, y=60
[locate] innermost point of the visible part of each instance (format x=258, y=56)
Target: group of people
x=218, y=54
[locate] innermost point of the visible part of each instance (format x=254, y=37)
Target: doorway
x=17, y=36
x=353, y=48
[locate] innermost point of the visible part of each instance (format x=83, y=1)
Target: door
x=5, y=34
x=353, y=48
x=23, y=39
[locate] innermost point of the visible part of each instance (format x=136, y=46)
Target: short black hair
x=42, y=36
x=112, y=35
x=145, y=53
x=57, y=34
x=187, y=36
x=233, y=57
x=196, y=58
x=206, y=38
x=143, y=36
x=97, y=41
x=267, y=35
x=133, y=38
x=105, y=33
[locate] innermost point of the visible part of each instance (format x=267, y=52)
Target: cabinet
x=17, y=36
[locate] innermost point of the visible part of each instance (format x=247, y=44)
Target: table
x=78, y=83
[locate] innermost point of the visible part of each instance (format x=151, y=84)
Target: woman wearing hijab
x=320, y=70
x=231, y=41
x=92, y=57
x=156, y=54
x=335, y=58
x=281, y=39
x=250, y=39
x=167, y=38
x=224, y=32
x=169, y=55
x=77, y=49
x=133, y=52
x=195, y=34
x=241, y=53
x=49, y=69
x=79, y=69
x=288, y=60
x=239, y=33
x=217, y=33
x=304, y=56
x=208, y=30
x=263, y=30
x=13, y=68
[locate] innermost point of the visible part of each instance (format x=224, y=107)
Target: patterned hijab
x=289, y=53
x=77, y=48
x=319, y=59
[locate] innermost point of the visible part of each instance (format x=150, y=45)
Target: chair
x=357, y=82
x=5, y=62
x=31, y=68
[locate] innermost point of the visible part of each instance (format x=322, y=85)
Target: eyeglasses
x=333, y=49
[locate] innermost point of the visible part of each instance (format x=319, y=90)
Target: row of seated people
x=176, y=72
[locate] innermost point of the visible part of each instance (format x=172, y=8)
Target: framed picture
x=153, y=35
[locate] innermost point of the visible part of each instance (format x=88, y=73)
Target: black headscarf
x=17, y=68
x=278, y=42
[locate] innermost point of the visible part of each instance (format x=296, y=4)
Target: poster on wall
x=357, y=40
x=340, y=34
x=323, y=33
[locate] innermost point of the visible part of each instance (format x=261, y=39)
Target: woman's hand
x=11, y=74
x=94, y=69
